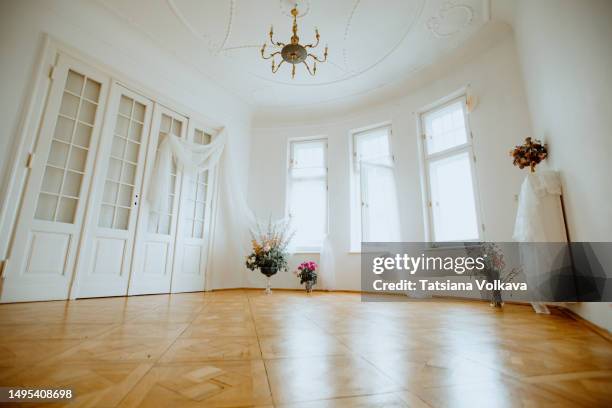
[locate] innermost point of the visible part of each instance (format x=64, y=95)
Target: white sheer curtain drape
x=238, y=219
x=380, y=209
x=189, y=156
x=327, y=266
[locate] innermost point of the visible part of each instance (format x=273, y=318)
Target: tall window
x=449, y=173
x=375, y=215
x=307, y=193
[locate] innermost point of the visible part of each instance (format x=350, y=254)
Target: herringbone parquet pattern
x=241, y=348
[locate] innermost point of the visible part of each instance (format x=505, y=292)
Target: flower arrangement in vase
x=269, y=249
x=307, y=272
x=494, y=268
x=529, y=154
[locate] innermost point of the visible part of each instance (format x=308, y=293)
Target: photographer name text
x=448, y=285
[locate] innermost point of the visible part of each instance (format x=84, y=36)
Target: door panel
x=48, y=253
x=191, y=262
x=106, y=255
x=41, y=263
x=109, y=255
x=155, y=258
x=156, y=232
x=194, y=223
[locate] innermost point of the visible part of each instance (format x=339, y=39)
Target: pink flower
x=308, y=265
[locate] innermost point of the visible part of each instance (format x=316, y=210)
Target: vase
x=309, y=285
x=496, y=299
x=268, y=271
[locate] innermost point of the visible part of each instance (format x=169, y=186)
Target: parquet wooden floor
x=241, y=348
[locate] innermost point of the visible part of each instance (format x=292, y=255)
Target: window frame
x=425, y=159
x=357, y=201
x=289, y=183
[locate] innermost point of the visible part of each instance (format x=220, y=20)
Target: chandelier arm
x=277, y=67
x=317, y=37
x=313, y=72
x=270, y=56
x=274, y=43
x=317, y=58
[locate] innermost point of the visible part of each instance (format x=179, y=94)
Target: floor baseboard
x=603, y=332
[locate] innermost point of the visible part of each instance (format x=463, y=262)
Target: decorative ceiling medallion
x=451, y=19
x=294, y=53
x=287, y=5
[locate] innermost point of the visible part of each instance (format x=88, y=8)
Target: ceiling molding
x=177, y=13
x=346, y=34
x=434, y=24
x=361, y=67
x=212, y=47
x=228, y=30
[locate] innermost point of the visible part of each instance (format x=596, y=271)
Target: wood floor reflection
x=241, y=348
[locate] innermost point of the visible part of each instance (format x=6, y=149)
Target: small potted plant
x=269, y=250
x=307, y=272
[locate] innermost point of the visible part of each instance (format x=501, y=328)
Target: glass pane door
x=46, y=242
x=160, y=223
x=119, y=187
x=65, y=168
x=195, y=206
x=107, y=247
x=191, y=253
x=155, y=243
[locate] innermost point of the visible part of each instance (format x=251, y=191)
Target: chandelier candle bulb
x=294, y=52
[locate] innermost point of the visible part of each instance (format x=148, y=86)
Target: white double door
x=130, y=248
x=84, y=227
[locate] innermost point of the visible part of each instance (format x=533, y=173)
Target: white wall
x=566, y=55
x=500, y=121
x=98, y=33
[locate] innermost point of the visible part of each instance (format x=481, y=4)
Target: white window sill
x=452, y=245
x=307, y=251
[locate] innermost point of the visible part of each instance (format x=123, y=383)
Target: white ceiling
x=372, y=43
